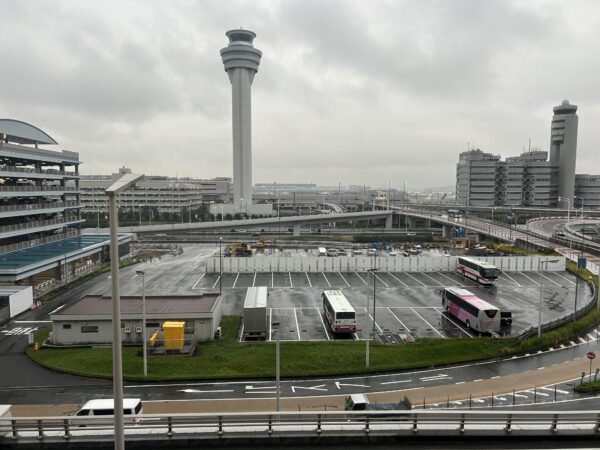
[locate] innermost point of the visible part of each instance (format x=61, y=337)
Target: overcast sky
x=347, y=91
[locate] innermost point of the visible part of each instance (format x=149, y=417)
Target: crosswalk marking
x=19, y=331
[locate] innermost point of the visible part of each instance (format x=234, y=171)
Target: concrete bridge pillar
x=411, y=221
x=388, y=221
x=297, y=229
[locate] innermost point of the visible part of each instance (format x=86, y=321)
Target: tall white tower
x=563, y=148
x=241, y=61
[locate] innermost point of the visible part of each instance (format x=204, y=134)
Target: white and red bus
x=339, y=313
x=474, y=312
x=479, y=271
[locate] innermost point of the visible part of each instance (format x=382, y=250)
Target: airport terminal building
x=41, y=244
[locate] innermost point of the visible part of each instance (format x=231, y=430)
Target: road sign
x=581, y=262
x=591, y=355
x=510, y=216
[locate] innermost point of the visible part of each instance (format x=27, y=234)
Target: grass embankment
x=228, y=358
x=589, y=387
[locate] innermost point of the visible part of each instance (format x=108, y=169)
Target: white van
x=106, y=407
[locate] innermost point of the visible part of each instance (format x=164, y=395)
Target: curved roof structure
x=24, y=133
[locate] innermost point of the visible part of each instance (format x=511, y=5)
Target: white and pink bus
x=480, y=271
x=474, y=312
x=339, y=313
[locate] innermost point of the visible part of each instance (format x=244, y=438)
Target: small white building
x=89, y=319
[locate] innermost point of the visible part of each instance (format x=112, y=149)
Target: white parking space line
x=236, y=278
x=323, y=323
x=384, y=283
x=242, y=332
x=309, y=283
x=451, y=279
x=431, y=326
x=558, y=391
x=254, y=280
x=323, y=273
x=527, y=276
x=196, y=283
x=297, y=326
x=562, y=276
x=376, y=324
x=272, y=280
x=415, y=278
x=521, y=395
x=405, y=327
x=447, y=317
x=549, y=279
x=396, y=278
x=361, y=278
x=432, y=279
x=290, y=275
x=216, y=281
x=537, y=392
x=348, y=284
x=510, y=278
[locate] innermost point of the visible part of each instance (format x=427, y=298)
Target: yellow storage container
x=173, y=335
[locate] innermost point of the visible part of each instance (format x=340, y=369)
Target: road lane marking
x=235, y=281
x=451, y=279
x=309, y=283
x=323, y=273
x=272, y=279
x=216, y=281
x=511, y=278
x=447, y=317
x=338, y=384
x=371, y=317
x=323, y=323
x=549, y=279
x=297, y=326
x=196, y=391
x=340, y=274
x=405, y=327
x=395, y=277
x=551, y=389
x=396, y=382
x=254, y=282
x=319, y=387
x=361, y=279
x=423, y=284
x=536, y=283
x=384, y=283
x=199, y=279
x=431, y=326
x=291, y=284
x=570, y=281
x=430, y=277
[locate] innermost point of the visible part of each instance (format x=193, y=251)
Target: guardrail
x=45, y=430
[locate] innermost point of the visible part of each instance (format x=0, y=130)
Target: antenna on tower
x=529, y=145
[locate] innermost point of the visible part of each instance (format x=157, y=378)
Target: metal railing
x=36, y=206
x=38, y=189
x=305, y=424
x=34, y=242
x=16, y=169
x=38, y=224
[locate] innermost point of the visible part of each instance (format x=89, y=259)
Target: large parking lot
x=408, y=304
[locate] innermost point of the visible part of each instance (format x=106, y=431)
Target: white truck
x=360, y=402
x=255, y=313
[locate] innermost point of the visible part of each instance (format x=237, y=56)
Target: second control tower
x=241, y=61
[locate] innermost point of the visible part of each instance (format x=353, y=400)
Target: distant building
x=40, y=239
x=563, y=147
x=159, y=193
x=483, y=179
x=587, y=191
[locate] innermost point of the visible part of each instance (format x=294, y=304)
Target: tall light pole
x=144, y=349
x=275, y=326
x=568, y=200
x=220, y=265
x=540, y=262
x=582, y=200
x=123, y=183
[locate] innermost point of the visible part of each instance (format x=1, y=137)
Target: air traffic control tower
x=563, y=148
x=241, y=61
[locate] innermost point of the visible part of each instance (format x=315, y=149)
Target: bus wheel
x=468, y=323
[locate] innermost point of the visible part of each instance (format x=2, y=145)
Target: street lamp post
x=144, y=349
x=582, y=200
x=123, y=183
x=540, y=262
x=275, y=326
x=220, y=265
x=568, y=200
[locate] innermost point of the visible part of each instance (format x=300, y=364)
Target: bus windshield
x=345, y=315
x=491, y=313
x=490, y=273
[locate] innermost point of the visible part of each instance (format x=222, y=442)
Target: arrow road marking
x=261, y=389
x=338, y=384
x=320, y=387
x=196, y=391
